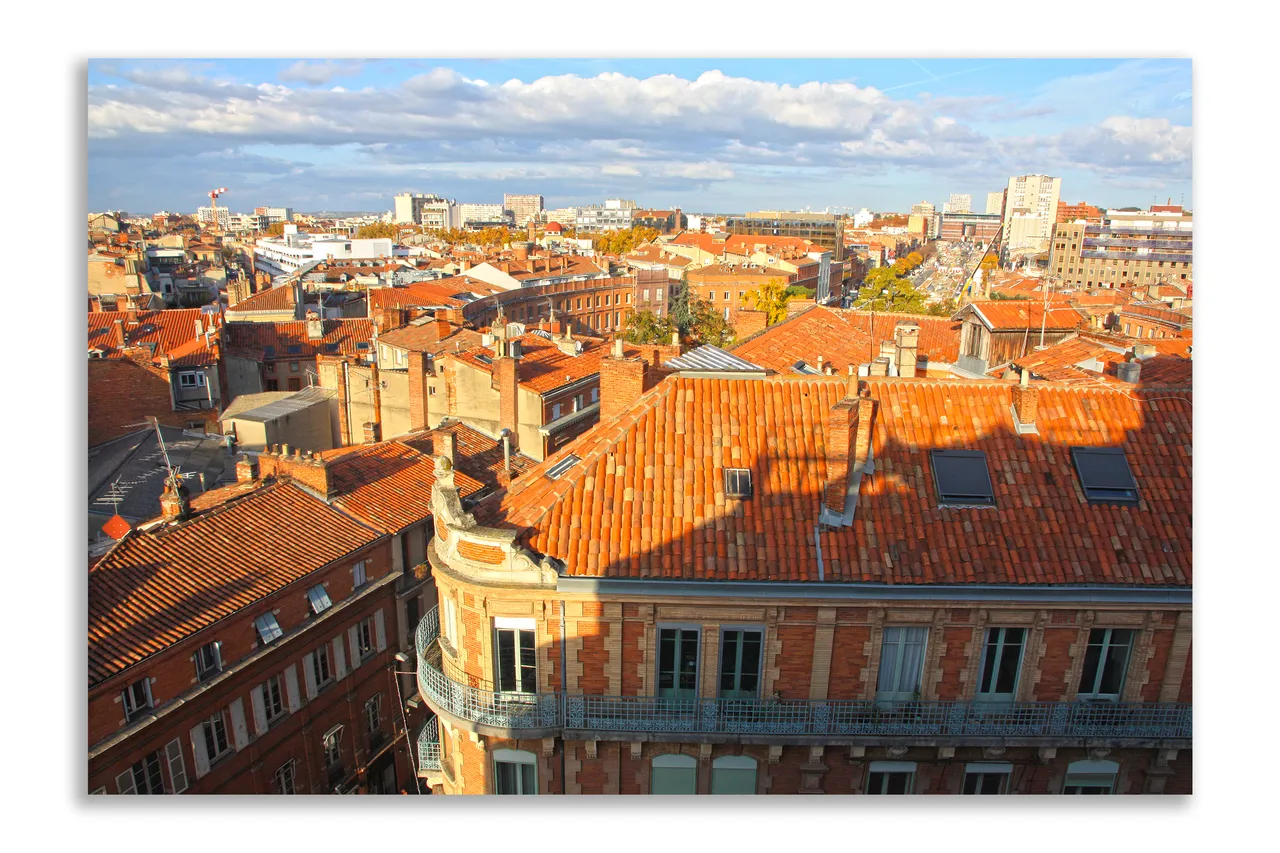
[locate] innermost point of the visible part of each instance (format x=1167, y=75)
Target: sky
x=718, y=135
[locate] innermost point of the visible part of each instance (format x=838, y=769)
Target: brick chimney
x=621, y=382
x=443, y=329
x=879, y=367
x=118, y=327
x=175, y=503
x=246, y=469
x=419, y=377
x=906, y=342
x=445, y=443
x=848, y=444
x=1026, y=399
x=315, y=326
x=307, y=469
x=372, y=432
x=507, y=371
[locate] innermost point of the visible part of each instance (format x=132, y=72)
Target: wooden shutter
x=177, y=766
x=354, y=639
x=125, y=784
x=309, y=672
x=380, y=630
x=259, y=710
x=339, y=659
x=291, y=686
x=198, y=749
x=238, y=728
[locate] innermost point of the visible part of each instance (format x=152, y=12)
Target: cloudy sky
x=707, y=135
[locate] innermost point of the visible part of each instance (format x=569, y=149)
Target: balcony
x=429, y=747
x=1109, y=242
x=596, y=717
x=1133, y=256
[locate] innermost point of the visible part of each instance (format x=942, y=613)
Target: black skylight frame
x=962, y=478
x=1105, y=475
x=737, y=483
x=558, y=470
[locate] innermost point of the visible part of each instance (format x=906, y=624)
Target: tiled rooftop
x=477, y=455
x=157, y=588
x=425, y=337
x=647, y=498
x=1004, y=315
x=173, y=331
x=341, y=337
x=387, y=485
x=543, y=366
x=275, y=299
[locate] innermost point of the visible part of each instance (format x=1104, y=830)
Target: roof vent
x=1129, y=371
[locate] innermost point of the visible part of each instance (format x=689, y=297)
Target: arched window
x=514, y=772
x=1091, y=777
x=674, y=774
x=733, y=774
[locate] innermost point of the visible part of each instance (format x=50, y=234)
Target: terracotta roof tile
x=543, y=366
x=154, y=589
x=275, y=299
x=647, y=498
x=1026, y=313
x=172, y=331
x=476, y=454
x=387, y=485
x=340, y=337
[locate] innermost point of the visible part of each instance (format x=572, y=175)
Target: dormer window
x=268, y=628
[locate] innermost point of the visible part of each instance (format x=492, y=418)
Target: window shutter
x=125, y=784
x=217, y=652
x=354, y=640
x=199, y=750
x=339, y=659
x=238, y=728
x=177, y=766
x=259, y=710
x=380, y=630
x=309, y=672
x=291, y=686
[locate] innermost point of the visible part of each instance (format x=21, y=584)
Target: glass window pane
x=506, y=660
x=505, y=778
x=673, y=780
x=1089, y=675
x=733, y=781
x=896, y=783
x=528, y=780
x=666, y=658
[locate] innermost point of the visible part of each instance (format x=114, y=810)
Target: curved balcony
x=596, y=717
x=429, y=747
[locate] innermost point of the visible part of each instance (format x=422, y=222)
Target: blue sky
x=707, y=135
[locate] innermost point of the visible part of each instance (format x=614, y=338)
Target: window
x=284, y=778
x=578, y=402
x=733, y=774
x=294, y=349
x=143, y=777
x=659, y=292
x=268, y=628
x=358, y=576
x=673, y=774
x=319, y=599
x=740, y=650
x=737, y=482
x=293, y=367
x=1105, y=475
x=449, y=626
x=901, y=660
x=136, y=699
x=373, y=714
x=514, y=772
x=272, y=699
x=711, y=296
x=1090, y=777
x=962, y=478
x=191, y=379
x=595, y=395
x=678, y=663
x=320, y=665
x=208, y=660
x=556, y=470
x=364, y=638
x=644, y=294
x=891, y=777
x=555, y=412
x=215, y=737
x=986, y=778
x=333, y=747
x=516, y=655
x=273, y=385
x=998, y=676
x=1105, y=662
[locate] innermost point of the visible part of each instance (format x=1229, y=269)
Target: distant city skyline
x=706, y=135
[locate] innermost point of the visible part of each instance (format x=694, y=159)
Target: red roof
x=476, y=454
x=341, y=337
x=429, y=294
x=387, y=485
x=543, y=366
x=1003, y=315
x=156, y=588
x=843, y=337
x=275, y=299
x=173, y=332
x=647, y=499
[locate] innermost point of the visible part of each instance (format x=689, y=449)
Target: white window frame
x=657, y=662
x=364, y=636
x=892, y=690
x=669, y=766
x=359, y=574
x=1107, y=644
x=885, y=768
x=283, y=772
x=1091, y=774
x=132, y=709
x=373, y=714
x=191, y=379
x=267, y=704
x=1002, y=649
x=318, y=599
x=203, y=673
x=521, y=759
x=518, y=626
x=268, y=628
x=208, y=728
x=331, y=743
x=323, y=649
x=988, y=768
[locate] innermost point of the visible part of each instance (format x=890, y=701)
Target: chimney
x=372, y=432
x=419, y=376
x=507, y=370
x=174, y=503
x=121, y=342
x=621, y=382
x=1141, y=351
x=246, y=469
x=906, y=340
x=315, y=326
x=514, y=347
x=520, y=251
x=879, y=367
x=848, y=444
x=443, y=329
x=445, y=444
x=1129, y=371
x=1026, y=400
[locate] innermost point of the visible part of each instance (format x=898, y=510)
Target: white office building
x=206, y=214
x=863, y=218
x=488, y=214
x=958, y=203
x=285, y=254
x=1037, y=196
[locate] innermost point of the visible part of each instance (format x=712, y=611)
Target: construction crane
x=213, y=199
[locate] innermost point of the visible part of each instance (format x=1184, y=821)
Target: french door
x=740, y=652
x=678, y=663
x=515, y=660
x=1001, y=657
x=901, y=662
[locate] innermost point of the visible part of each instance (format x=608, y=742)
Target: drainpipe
x=346, y=384
x=564, y=704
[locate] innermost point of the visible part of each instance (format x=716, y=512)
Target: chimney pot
x=1026, y=400
x=446, y=445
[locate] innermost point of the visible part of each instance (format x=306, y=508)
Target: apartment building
x=664, y=221
x=282, y=356
x=476, y=216
x=585, y=305
x=973, y=227
x=1145, y=247
x=218, y=666
x=814, y=584
x=219, y=216
x=959, y=203
x=995, y=202
x=614, y=215
x=725, y=286
x=824, y=229
x=523, y=207
x=1033, y=196
x=1079, y=210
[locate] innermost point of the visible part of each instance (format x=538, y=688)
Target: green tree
x=680, y=312
x=645, y=327
x=885, y=291
x=795, y=291
x=708, y=325
x=771, y=298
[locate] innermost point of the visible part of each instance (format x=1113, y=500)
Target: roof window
x=737, y=482
x=362, y=345
x=558, y=469
x=319, y=599
x=1105, y=475
x=269, y=351
x=962, y=478
x=295, y=349
x=268, y=627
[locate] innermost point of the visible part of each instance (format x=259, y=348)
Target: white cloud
x=319, y=73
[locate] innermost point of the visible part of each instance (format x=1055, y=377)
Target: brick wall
x=1056, y=664
x=954, y=663
x=621, y=384
x=796, y=661
x=848, y=660
x=122, y=393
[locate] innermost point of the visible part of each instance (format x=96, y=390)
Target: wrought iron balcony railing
x=1131, y=256
x=429, y=746
x=805, y=718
